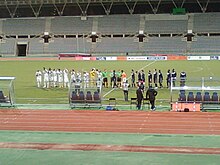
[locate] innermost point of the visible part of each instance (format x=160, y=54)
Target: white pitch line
x=199, y=69
x=129, y=78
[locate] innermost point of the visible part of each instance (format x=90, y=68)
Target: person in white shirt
x=99, y=75
x=72, y=76
x=99, y=80
x=38, y=75
x=125, y=86
x=50, y=75
x=66, y=78
x=86, y=79
x=46, y=78
x=55, y=78
x=60, y=78
x=78, y=82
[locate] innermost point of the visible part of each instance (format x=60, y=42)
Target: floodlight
x=141, y=32
x=46, y=33
x=189, y=31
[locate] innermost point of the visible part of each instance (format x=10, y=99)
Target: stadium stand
x=114, y=24
x=208, y=22
x=71, y=25
x=23, y=26
x=163, y=33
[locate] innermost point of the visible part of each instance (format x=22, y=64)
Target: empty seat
x=133, y=102
x=198, y=97
x=182, y=91
x=215, y=97
x=88, y=97
x=74, y=97
x=206, y=97
x=112, y=101
x=190, y=97
x=96, y=97
x=81, y=96
x=182, y=97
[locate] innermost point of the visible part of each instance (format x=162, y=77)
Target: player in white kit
x=46, y=78
x=60, y=78
x=38, y=75
x=66, y=78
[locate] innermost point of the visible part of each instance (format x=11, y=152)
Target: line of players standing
x=155, y=78
x=60, y=78
x=49, y=78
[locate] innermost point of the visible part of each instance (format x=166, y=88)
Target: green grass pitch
x=27, y=92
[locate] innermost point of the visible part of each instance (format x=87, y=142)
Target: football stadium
x=113, y=82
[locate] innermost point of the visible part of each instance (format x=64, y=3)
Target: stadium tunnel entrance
x=22, y=49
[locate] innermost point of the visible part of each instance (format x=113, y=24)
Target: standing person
x=182, y=78
x=113, y=79
x=139, y=76
x=149, y=78
x=99, y=81
x=86, y=79
x=155, y=78
x=125, y=86
x=168, y=78
x=38, y=75
x=151, y=96
x=160, y=75
x=60, y=78
x=118, y=78
x=143, y=76
x=66, y=78
x=55, y=78
x=50, y=74
x=123, y=77
x=132, y=78
x=46, y=78
x=73, y=76
x=92, y=77
x=105, y=78
x=78, y=82
x=139, y=94
x=173, y=75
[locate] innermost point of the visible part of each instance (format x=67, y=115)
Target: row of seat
x=206, y=98
x=85, y=98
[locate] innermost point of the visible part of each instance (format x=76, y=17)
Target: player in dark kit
x=155, y=78
x=160, y=78
x=143, y=76
x=132, y=78
x=168, y=78
x=182, y=78
x=173, y=75
x=149, y=78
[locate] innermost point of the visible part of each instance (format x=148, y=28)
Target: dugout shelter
x=195, y=94
x=7, y=94
x=85, y=93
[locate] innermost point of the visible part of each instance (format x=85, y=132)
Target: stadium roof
x=42, y=8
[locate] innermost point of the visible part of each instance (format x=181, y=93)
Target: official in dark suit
x=151, y=96
x=139, y=94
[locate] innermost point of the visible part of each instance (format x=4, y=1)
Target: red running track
x=111, y=121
